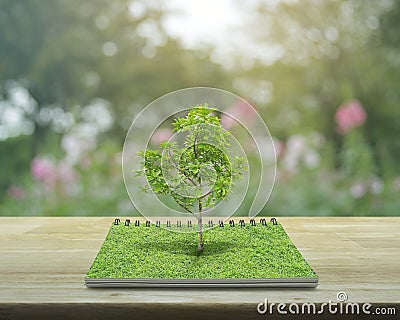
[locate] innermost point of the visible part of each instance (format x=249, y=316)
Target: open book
x=236, y=254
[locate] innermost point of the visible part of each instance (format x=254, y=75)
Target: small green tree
x=199, y=174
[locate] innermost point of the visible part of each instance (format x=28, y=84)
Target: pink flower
x=53, y=176
x=44, y=170
x=66, y=177
x=16, y=192
x=161, y=135
x=295, y=148
x=66, y=174
x=239, y=110
x=349, y=116
x=357, y=190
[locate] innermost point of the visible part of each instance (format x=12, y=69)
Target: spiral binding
x=210, y=223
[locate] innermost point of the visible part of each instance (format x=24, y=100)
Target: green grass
x=229, y=253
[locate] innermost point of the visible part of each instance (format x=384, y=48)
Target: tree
x=199, y=174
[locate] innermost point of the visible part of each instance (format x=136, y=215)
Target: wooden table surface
x=44, y=261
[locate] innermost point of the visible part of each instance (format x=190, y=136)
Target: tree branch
x=194, y=145
x=176, y=166
x=208, y=193
x=195, y=151
x=184, y=207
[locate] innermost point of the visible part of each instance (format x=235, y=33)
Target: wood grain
x=44, y=261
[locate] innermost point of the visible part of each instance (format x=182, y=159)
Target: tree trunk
x=200, y=229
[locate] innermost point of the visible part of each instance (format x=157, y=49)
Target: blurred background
x=324, y=75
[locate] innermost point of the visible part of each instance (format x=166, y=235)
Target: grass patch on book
x=239, y=252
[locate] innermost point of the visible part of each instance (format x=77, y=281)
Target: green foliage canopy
x=201, y=172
